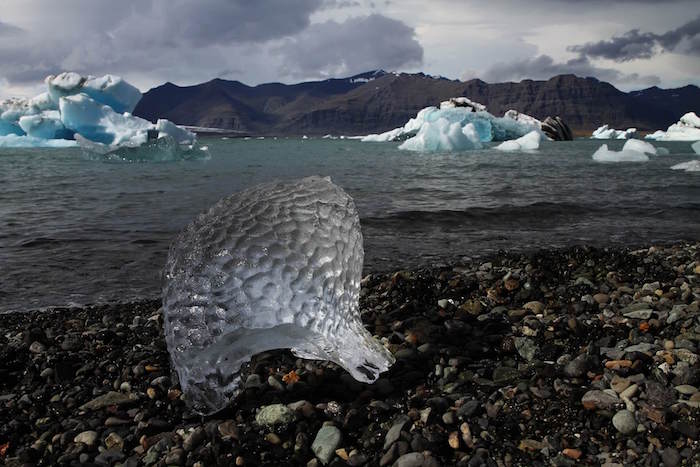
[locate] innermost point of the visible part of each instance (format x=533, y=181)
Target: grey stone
x=86, y=437
x=108, y=399
x=326, y=442
x=526, y=348
x=395, y=431
x=275, y=414
x=625, y=422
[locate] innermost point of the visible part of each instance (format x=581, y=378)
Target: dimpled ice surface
x=275, y=266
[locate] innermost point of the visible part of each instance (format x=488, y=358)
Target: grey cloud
x=340, y=4
x=207, y=22
x=544, y=67
x=358, y=44
x=159, y=37
x=7, y=29
x=634, y=45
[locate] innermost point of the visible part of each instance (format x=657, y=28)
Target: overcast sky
x=631, y=43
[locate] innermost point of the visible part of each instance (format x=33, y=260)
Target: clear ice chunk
x=275, y=266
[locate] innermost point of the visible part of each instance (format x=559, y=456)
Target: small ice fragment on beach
x=529, y=142
x=690, y=166
x=603, y=154
x=275, y=266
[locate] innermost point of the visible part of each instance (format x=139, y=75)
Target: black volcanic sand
x=580, y=356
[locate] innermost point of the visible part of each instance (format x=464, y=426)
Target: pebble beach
x=579, y=356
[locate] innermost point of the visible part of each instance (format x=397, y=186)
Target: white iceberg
x=276, y=266
x=108, y=90
x=46, y=125
x=463, y=112
x=443, y=135
x=696, y=147
x=687, y=129
x=603, y=154
x=690, y=166
x=523, y=118
x=529, y=142
x=23, y=141
x=640, y=146
x=605, y=132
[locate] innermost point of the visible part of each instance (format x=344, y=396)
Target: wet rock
x=326, y=442
x=88, y=438
x=275, y=414
x=108, y=399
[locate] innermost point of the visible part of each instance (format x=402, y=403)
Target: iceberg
x=275, y=266
x=640, y=146
x=443, y=135
x=523, y=118
x=690, y=166
x=97, y=109
x=162, y=149
x=605, y=132
x=687, y=129
x=98, y=122
x=603, y=154
x=696, y=147
x=462, y=111
x=108, y=90
x=46, y=125
x=23, y=141
x=529, y=142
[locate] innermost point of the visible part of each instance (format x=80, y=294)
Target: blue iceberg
x=435, y=129
x=88, y=109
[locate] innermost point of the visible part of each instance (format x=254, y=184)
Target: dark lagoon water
x=79, y=231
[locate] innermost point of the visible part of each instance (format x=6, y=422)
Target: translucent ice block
x=275, y=266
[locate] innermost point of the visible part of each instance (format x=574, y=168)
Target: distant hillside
x=377, y=101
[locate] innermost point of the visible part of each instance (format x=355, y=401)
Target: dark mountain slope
x=378, y=101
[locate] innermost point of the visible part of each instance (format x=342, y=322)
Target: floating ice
x=23, y=141
x=605, y=132
x=108, y=90
x=640, y=146
x=162, y=149
x=687, y=129
x=529, y=142
x=696, y=147
x=46, y=125
x=690, y=166
x=603, y=154
x=275, y=266
x=94, y=108
x=443, y=135
x=462, y=111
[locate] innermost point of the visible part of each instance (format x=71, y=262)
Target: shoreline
x=556, y=357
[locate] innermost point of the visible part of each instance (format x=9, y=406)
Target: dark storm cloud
x=358, y=44
x=207, y=22
x=544, y=67
x=634, y=44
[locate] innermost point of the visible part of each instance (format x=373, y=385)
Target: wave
x=541, y=211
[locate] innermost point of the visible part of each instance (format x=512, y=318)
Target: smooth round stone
x=625, y=422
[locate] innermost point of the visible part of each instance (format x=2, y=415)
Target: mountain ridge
x=376, y=101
